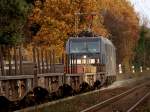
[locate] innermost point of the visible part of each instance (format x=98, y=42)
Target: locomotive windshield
x=84, y=46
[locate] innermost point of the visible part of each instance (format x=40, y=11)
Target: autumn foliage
x=122, y=23
x=53, y=21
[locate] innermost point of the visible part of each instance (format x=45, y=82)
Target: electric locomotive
x=94, y=55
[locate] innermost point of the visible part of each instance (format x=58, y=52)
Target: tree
x=53, y=21
x=57, y=21
x=123, y=25
x=13, y=14
x=142, y=52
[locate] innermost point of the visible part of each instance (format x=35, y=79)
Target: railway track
x=138, y=102
x=124, y=102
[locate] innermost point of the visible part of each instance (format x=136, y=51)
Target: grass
x=78, y=103
x=72, y=105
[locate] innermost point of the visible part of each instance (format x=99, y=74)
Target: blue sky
x=142, y=7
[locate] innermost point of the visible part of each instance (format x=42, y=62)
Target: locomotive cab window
x=93, y=46
x=77, y=46
x=84, y=46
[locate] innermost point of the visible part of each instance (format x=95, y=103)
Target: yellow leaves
x=36, y=14
x=100, y=30
x=90, y=5
x=117, y=19
x=122, y=23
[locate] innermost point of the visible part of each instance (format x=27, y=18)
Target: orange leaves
x=116, y=19
x=122, y=23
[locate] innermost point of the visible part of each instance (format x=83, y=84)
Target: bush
x=27, y=100
x=41, y=94
x=37, y=96
x=4, y=104
x=65, y=90
x=97, y=84
x=84, y=87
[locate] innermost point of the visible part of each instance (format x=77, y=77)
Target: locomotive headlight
x=84, y=59
x=84, y=56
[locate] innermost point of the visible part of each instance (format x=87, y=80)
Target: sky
x=143, y=8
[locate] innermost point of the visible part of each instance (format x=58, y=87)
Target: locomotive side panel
x=92, y=52
x=110, y=59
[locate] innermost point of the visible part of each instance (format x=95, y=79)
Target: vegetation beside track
x=132, y=75
x=80, y=102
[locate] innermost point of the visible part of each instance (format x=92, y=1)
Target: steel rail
x=110, y=100
x=138, y=102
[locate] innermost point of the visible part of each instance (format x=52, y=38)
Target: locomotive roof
x=87, y=35
x=105, y=40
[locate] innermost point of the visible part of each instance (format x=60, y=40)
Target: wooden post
x=16, y=63
x=50, y=61
x=35, y=68
x=62, y=58
x=9, y=61
x=2, y=62
x=38, y=61
x=53, y=60
x=20, y=56
x=46, y=59
x=42, y=59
